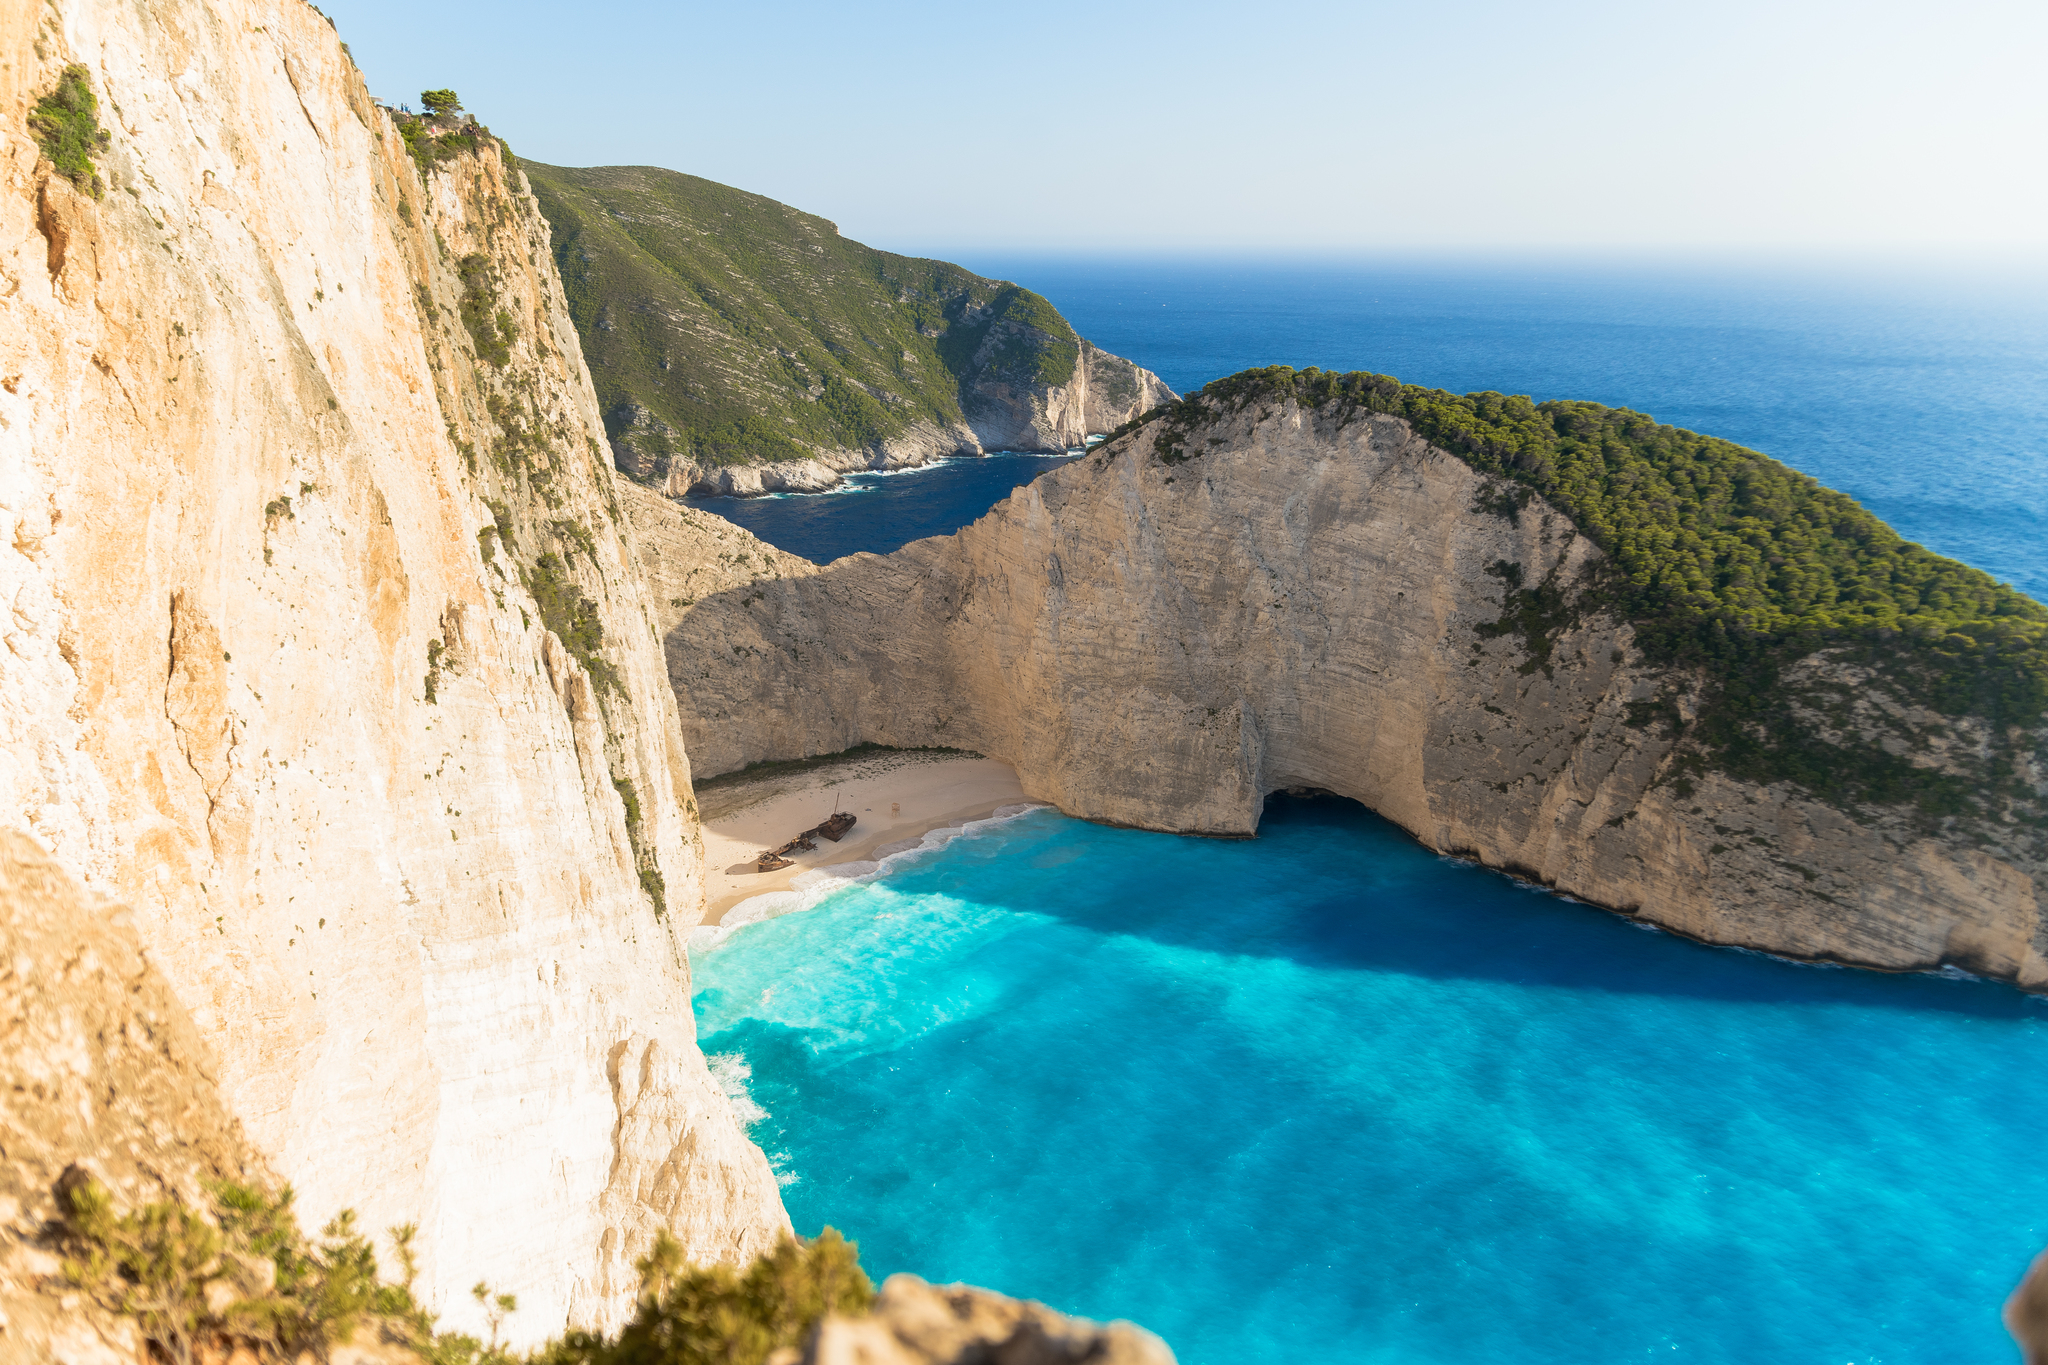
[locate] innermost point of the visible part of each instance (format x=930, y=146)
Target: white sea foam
x=926, y=467
x=944, y=460
x=731, y=1073
x=812, y=886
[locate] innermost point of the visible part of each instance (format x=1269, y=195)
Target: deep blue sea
x=1325, y=1095
x=1925, y=397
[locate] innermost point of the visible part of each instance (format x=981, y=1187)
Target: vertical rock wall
x=1104, y=392
x=299, y=465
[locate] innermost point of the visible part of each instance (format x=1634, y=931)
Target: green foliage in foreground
x=155, y=1263
x=1725, y=559
x=66, y=124
x=746, y=331
x=716, y=1315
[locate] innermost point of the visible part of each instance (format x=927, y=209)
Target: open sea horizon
x=1324, y=1093
x=1923, y=397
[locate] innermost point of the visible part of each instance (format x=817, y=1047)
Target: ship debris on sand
x=834, y=828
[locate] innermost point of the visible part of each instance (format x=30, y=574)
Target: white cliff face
x=280, y=673
x=687, y=555
x=1105, y=392
x=1301, y=604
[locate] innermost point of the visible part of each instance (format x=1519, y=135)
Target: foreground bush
x=701, y=1315
x=243, y=1274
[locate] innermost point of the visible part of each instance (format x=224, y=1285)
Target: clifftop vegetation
x=1725, y=559
x=442, y=132
x=725, y=328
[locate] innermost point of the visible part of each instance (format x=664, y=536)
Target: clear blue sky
x=1745, y=125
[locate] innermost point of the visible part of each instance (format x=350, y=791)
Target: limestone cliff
x=1192, y=618
x=687, y=554
x=741, y=346
x=327, y=653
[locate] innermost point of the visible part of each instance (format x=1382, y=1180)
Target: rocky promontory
x=1290, y=581
x=740, y=346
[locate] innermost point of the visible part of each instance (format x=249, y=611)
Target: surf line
x=808, y=889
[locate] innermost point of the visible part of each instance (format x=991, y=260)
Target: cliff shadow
x=1330, y=884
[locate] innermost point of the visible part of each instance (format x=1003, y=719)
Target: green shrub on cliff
x=1724, y=559
x=568, y=611
x=430, y=143
x=492, y=328
x=66, y=125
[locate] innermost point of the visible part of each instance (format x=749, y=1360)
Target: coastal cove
x=1356, y=1089
x=880, y=512
x=576, y=742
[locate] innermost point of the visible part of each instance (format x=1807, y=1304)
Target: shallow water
x=1325, y=1094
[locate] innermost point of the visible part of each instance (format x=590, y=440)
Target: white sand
x=894, y=797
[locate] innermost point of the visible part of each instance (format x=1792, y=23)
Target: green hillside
x=751, y=332
x=1727, y=560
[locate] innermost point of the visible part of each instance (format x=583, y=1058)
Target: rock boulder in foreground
x=914, y=1323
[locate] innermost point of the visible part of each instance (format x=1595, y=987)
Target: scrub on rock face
x=1325, y=1093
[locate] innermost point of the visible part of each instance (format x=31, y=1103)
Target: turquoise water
x=1324, y=1095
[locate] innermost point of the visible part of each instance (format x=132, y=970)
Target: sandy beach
x=895, y=797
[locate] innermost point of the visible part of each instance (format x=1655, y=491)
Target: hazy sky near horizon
x=1775, y=126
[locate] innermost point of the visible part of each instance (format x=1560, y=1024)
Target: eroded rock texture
x=327, y=653
x=100, y=1065
x=1311, y=603
x=915, y=1323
